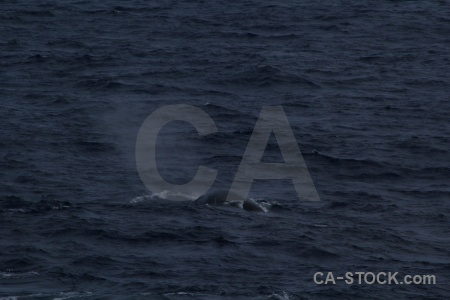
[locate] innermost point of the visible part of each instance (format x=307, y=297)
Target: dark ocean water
x=365, y=86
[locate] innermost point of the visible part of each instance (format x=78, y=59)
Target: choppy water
x=366, y=88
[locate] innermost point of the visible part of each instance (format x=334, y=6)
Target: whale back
x=216, y=197
x=219, y=197
x=251, y=205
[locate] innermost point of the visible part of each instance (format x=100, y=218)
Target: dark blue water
x=365, y=86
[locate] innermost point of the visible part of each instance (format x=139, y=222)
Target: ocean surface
x=366, y=89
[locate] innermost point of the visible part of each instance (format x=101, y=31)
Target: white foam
x=11, y=274
x=282, y=296
x=166, y=195
x=70, y=295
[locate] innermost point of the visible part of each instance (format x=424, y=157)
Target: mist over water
x=365, y=87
